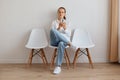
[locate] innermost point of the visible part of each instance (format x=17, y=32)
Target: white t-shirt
x=66, y=33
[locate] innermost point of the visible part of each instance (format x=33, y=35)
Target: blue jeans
x=56, y=39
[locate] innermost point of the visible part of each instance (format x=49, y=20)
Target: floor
x=101, y=71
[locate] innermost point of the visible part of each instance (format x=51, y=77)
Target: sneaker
x=69, y=43
x=57, y=70
x=74, y=48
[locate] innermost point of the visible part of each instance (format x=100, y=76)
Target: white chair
x=37, y=41
x=82, y=41
x=65, y=54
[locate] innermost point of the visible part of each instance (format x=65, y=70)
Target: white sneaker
x=57, y=70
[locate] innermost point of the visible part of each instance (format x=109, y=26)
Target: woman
x=60, y=37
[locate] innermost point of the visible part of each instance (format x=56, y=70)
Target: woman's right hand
x=60, y=25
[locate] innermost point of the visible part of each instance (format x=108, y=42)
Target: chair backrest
x=70, y=32
x=37, y=39
x=82, y=39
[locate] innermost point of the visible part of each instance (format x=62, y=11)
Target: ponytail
x=64, y=17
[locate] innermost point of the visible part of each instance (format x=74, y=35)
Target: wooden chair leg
x=53, y=58
x=67, y=61
x=41, y=56
x=75, y=57
x=67, y=56
x=89, y=58
x=44, y=57
x=30, y=57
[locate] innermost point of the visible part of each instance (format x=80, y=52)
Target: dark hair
x=64, y=10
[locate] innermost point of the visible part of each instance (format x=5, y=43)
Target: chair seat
x=36, y=45
x=84, y=45
x=56, y=46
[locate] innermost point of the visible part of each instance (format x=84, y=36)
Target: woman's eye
x=61, y=12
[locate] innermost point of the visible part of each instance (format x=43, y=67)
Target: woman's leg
x=56, y=37
x=61, y=48
x=54, y=40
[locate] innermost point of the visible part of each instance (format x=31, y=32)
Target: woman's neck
x=60, y=19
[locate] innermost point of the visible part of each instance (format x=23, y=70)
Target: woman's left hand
x=64, y=25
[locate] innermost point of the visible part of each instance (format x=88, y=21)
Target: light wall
x=18, y=17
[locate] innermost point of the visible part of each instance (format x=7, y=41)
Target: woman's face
x=61, y=13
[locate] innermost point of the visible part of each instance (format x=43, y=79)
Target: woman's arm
x=66, y=27
x=56, y=25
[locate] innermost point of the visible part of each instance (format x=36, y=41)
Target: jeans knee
x=61, y=43
x=52, y=30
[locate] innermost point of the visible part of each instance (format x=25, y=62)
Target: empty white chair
x=82, y=41
x=37, y=41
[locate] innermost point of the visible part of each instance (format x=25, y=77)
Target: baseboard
x=80, y=60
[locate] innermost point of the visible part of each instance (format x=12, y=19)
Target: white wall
x=18, y=17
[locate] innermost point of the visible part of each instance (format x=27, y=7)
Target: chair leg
x=75, y=57
x=41, y=55
x=53, y=58
x=67, y=56
x=67, y=61
x=44, y=57
x=89, y=58
x=30, y=57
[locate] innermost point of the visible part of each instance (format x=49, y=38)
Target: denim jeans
x=56, y=39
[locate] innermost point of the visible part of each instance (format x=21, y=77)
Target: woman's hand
x=62, y=24
x=59, y=26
